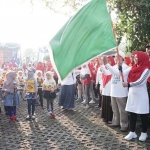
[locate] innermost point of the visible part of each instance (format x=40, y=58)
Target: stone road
x=81, y=129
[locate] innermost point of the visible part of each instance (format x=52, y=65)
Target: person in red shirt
x=85, y=76
x=40, y=67
x=127, y=61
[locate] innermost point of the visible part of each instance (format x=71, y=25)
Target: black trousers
x=56, y=80
x=40, y=92
x=133, y=119
x=99, y=95
x=96, y=92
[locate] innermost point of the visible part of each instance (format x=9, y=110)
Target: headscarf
x=18, y=75
x=36, y=74
x=107, y=78
x=3, y=75
x=96, y=64
x=49, y=66
x=132, y=61
x=10, y=77
x=138, y=69
x=127, y=61
x=50, y=81
x=31, y=72
x=40, y=67
x=85, y=70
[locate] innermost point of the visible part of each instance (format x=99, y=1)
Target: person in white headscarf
x=40, y=80
x=20, y=79
x=49, y=87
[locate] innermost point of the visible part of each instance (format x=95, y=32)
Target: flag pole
x=120, y=67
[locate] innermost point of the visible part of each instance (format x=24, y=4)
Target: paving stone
x=81, y=129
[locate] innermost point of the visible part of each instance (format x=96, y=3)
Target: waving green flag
x=86, y=35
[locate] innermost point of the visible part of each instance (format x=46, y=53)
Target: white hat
x=122, y=54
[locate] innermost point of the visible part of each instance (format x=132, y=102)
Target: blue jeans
x=11, y=110
x=31, y=102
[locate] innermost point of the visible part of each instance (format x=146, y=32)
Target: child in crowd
x=31, y=92
x=11, y=98
x=20, y=78
x=40, y=80
x=49, y=87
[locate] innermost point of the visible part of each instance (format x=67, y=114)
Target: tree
x=132, y=22
x=29, y=55
x=65, y=7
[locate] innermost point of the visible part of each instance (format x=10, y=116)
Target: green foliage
x=29, y=55
x=66, y=7
x=133, y=22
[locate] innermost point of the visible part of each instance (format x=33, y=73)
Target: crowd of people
x=120, y=84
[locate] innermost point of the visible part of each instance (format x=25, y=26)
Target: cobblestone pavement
x=80, y=129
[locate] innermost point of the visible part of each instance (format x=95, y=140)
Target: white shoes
x=130, y=136
x=33, y=117
x=28, y=117
x=49, y=113
x=87, y=106
x=143, y=137
x=92, y=102
x=84, y=101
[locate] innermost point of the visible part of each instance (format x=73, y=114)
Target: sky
x=30, y=26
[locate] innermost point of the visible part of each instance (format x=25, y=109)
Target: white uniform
x=106, y=89
x=117, y=90
x=138, y=100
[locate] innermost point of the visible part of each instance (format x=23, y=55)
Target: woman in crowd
x=93, y=72
x=106, y=113
x=138, y=101
x=67, y=92
x=98, y=86
x=79, y=86
x=85, y=76
x=40, y=67
x=127, y=61
x=118, y=93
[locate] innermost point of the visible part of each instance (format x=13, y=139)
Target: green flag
x=86, y=35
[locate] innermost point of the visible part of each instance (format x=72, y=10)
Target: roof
x=9, y=46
